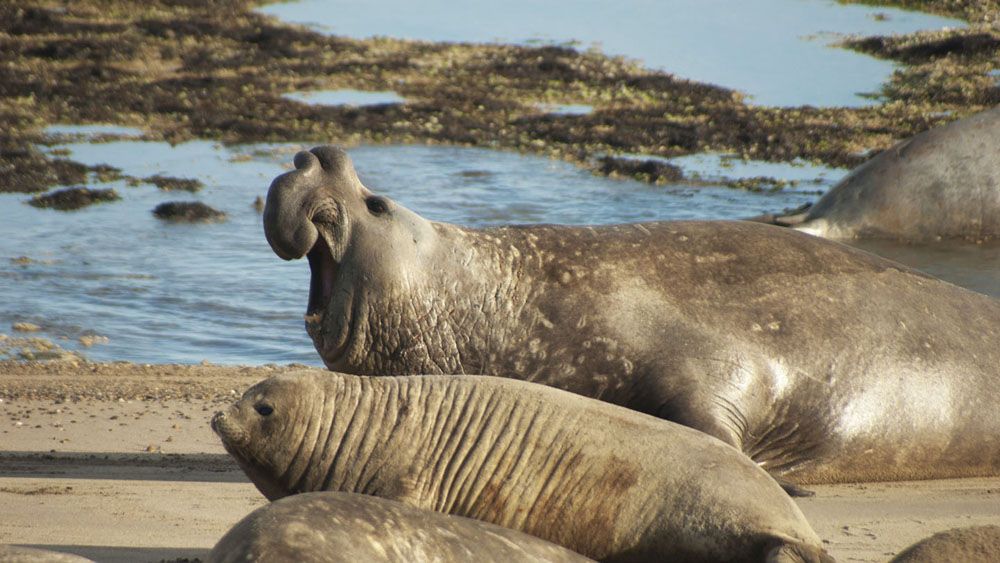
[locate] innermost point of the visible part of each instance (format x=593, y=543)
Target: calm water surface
x=778, y=51
x=165, y=292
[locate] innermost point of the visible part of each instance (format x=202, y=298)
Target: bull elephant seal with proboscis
x=821, y=362
x=940, y=184
x=348, y=528
x=604, y=481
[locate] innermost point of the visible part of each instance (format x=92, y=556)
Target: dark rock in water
x=169, y=183
x=652, y=171
x=258, y=204
x=188, y=211
x=70, y=199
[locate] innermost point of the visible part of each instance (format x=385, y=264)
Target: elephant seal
x=341, y=527
x=604, y=481
x=943, y=183
x=821, y=362
x=969, y=545
x=18, y=554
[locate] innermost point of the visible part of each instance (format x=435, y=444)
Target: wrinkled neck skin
x=454, y=304
x=448, y=445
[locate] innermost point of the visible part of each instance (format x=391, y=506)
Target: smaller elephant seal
x=975, y=544
x=941, y=184
x=604, y=481
x=18, y=554
x=345, y=528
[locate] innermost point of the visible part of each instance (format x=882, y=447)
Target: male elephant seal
x=975, y=544
x=17, y=554
x=943, y=183
x=821, y=362
x=341, y=527
x=604, y=481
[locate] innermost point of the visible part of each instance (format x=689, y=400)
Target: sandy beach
x=117, y=462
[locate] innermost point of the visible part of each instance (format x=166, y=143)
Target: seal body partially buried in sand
x=941, y=184
x=821, y=362
x=601, y=480
x=975, y=544
x=347, y=528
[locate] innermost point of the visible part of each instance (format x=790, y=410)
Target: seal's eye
x=376, y=205
x=263, y=409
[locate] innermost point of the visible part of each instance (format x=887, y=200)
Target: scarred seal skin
x=347, y=528
x=18, y=554
x=975, y=544
x=604, y=481
x=821, y=362
x=940, y=184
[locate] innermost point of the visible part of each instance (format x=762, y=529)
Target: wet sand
x=117, y=462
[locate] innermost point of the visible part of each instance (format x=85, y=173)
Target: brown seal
x=604, y=481
x=822, y=362
x=943, y=183
x=341, y=527
x=970, y=545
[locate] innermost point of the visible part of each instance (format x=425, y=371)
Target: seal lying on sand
x=604, y=481
x=943, y=183
x=821, y=362
x=969, y=545
x=341, y=527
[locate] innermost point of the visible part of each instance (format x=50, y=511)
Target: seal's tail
x=795, y=552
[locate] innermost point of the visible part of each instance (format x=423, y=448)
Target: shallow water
x=778, y=51
x=972, y=266
x=164, y=292
x=345, y=97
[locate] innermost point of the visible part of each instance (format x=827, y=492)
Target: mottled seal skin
x=975, y=544
x=821, y=362
x=18, y=554
x=604, y=481
x=941, y=184
x=347, y=528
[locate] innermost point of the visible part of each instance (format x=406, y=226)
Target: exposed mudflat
x=221, y=71
x=117, y=462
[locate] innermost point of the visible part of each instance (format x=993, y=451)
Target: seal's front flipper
x=795, y=552
x=792, y=489
x=787, y=218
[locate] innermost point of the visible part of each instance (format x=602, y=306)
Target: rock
x=70, y=199
x=188, y=211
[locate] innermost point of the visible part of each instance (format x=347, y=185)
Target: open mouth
x=323, y=271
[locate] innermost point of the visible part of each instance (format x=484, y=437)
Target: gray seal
x=18, y=554
x=604, y=481
x=331, y=527
x=821, y=362
x=943, y=183
x=975, y=543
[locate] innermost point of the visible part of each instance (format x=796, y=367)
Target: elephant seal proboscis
x=604, y=481
x=975, y=544
x=943, y=183
x=821, y=362
x=332, y=527
x=19, y=554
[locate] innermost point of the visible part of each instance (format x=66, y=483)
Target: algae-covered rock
x=70, y=199
x=188, y=212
